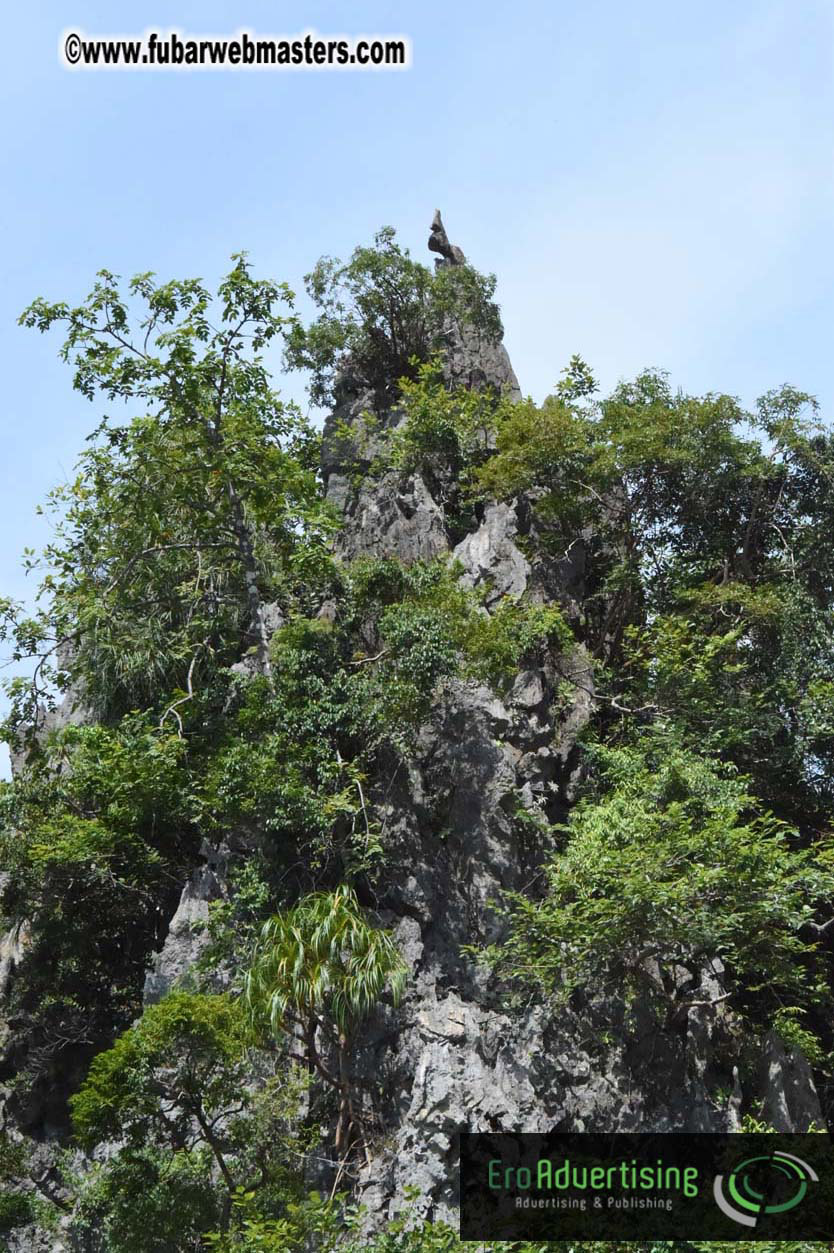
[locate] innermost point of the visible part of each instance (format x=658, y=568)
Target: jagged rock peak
x=473, y=359
x=450, y=254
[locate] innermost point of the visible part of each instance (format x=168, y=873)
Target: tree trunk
x=217, y=1153
x=246, y=548
x=245, y=541
x=346, y=1117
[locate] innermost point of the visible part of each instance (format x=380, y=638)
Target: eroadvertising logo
x=745, y=1196
x=676, y=1186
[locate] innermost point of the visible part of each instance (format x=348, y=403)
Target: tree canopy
x=381, y=314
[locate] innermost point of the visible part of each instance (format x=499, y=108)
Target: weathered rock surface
x=391, y=515
x=490, y=556
x=454, y=1059
x=187, y=935
x=473, y=359
x=790, y=1100
x=12, y=948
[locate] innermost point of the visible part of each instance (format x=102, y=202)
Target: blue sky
x=653, y=184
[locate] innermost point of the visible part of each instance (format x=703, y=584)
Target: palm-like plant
x=319, y=969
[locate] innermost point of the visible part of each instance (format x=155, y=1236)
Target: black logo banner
x=677, y=1186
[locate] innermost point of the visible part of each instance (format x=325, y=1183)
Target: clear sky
x=652, y=182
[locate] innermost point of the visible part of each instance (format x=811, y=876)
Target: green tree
x=16, y=1201
x=182, y=521
x=146, y=1200
x=744, y=671
x=666, y=868
x=318, y=970
x=186, y=1080
x=181, y=525
x=95, y=838
x=703, y=529
x=445, y=429
x=193, y=537
x=381, y=314
x=182, y=1067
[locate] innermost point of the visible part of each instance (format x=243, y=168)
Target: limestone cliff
x=457, y=1058
x=457, y=818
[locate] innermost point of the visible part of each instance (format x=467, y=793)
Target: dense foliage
x=183, y=521
x=95, y=837
x=670, y=874
x=713, y=572
x=381, y=314
x=235, y=683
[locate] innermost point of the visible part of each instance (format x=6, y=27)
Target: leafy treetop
x=382, y=313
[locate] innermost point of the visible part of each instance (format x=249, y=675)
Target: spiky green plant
x=318, y=970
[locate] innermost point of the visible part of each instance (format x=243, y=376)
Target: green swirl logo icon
x=769, y=1184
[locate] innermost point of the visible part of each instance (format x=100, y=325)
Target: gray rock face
x=13, y=944
x=391, y=515
x=475, y=361
x=455, y=1059
x=187, y=936
x=12, y=948
x=388, y=514
x=490, y=556
x=479, y=1069
x=398, y=518
x=439, y=242
x=790, y=1101
x=462, y=820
